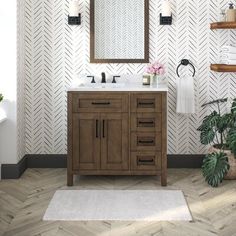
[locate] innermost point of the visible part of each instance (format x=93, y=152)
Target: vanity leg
x=163, y=179
x=70, y=178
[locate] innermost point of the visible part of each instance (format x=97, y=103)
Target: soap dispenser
x=231, y=13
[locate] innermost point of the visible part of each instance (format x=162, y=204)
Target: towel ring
x=185, y=62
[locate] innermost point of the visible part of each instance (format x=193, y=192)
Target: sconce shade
x=74, y=8
x=74, y=17
x=166, y=8
x=165, y=15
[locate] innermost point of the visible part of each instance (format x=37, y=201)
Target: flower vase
x=155, y=80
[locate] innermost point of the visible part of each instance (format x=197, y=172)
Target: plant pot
x=232, y=162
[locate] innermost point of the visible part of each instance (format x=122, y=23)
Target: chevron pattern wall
x=55, y=51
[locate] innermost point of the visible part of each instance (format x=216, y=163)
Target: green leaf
x=233, y=108
x=214, y=168
x=231, y=140
x=208, y=128
x=209, y=121
x=223, y=123
x=207, y=136
x=1, y=97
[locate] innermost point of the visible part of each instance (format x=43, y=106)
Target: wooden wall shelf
x=223, y=25
x=223, y=68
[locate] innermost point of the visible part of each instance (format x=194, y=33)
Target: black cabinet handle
x=97, y=135
x=101, y=103
x=103, y=128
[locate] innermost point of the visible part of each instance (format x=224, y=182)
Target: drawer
x=149, y=122
x=145, y=141
x=145, y=160
x=150, y=102
x=100, y=102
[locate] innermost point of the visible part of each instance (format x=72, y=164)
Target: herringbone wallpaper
x=55, y=51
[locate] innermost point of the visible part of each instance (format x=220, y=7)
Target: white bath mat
x=122, y=205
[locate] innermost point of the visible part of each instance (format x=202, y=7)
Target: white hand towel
x=228, y=56
x=185, y=95
x=230, y=49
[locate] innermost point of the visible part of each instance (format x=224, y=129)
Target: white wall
x=8, y=81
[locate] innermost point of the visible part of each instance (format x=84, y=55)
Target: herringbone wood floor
x=24, y=201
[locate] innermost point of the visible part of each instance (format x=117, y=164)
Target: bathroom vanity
x=117, y=131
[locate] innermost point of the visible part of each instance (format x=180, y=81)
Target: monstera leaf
x=215, y=166
x=233, y=108
x=207, y=136
x=209, y=127
x=224, y=122
x=231, y=140
x=209, y=121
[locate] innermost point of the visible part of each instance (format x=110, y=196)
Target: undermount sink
x=105, y=85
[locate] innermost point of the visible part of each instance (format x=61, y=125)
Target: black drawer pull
x=145, y=162
x=146, y=122
x=101, y=103
x=146, y=141
x=146, y=103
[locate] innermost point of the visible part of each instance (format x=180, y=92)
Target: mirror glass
x=119, y=31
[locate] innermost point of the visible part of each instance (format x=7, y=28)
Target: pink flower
x=155, y=68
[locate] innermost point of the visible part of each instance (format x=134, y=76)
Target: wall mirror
x=119, y=31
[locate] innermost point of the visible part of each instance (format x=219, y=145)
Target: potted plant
x=219, y=130
x=1, y=97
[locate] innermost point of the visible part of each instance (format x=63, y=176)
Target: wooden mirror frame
x=146, y=40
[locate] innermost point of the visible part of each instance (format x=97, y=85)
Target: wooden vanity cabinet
x=116, y=133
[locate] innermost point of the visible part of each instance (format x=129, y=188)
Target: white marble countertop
x=119, y=87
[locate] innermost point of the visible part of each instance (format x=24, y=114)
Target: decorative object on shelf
x=155, y=69
x=1, y=97
x=228, y=55
x=74, y=17
x=223, y=67
x=219, y=129
x=146, y=79
x=185, y=62
x=222, y=17
x=231, y=13
x=166, y=15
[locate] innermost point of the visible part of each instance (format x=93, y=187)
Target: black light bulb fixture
x=74, y=17
x=166, y=15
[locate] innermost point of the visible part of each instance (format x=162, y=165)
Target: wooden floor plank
x=23, y=203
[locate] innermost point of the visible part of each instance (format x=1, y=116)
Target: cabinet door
x=114, y=141
x=86, y=141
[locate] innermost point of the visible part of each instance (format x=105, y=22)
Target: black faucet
x=92, y=77
x=103, y=77
x=114, y=78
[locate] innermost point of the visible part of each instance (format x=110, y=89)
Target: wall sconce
x=165, y=15
x=74, y=17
